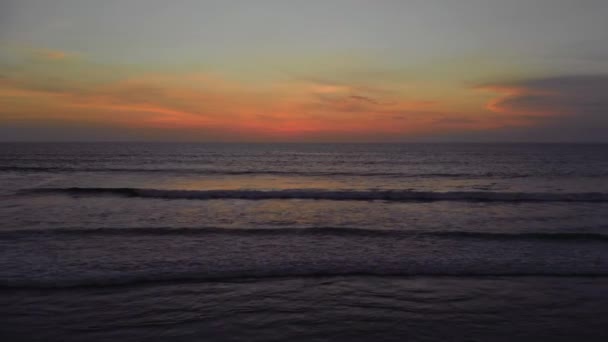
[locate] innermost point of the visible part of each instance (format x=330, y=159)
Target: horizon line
x=292, y=142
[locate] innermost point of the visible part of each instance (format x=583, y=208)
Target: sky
x=304, y=71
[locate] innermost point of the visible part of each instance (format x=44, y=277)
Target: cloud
x=560, y=108
x=204, y=106
x=53, y=55
x=554, y=95
x=364, y=99
x=216, y=107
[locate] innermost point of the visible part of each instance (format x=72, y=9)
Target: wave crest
x=113, y=256
x=337, y=195
x=315, y=231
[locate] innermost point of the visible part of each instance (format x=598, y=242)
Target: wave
x=114, y=256
x=314, y=231
x=336, y=195
x=178, y=278
x=261, y=172
x=328, y=173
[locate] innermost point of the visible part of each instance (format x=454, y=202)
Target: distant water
x=308, y=242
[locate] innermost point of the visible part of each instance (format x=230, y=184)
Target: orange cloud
x=508, y=94
x=294, y=109
x=55, y=55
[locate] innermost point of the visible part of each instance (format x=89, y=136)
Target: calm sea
x=303, y=242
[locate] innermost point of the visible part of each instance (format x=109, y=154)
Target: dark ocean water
x=312, y=242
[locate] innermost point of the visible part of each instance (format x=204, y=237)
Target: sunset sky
x=313, y=71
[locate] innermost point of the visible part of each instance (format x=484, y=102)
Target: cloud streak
x=206, y=106
x=282, y=110
x=559, y=108
x=54, y=55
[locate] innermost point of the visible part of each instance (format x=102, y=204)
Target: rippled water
x=303, y=242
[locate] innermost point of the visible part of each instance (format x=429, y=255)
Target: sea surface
x=303, y=242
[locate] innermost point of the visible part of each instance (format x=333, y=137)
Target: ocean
x=303, y=242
